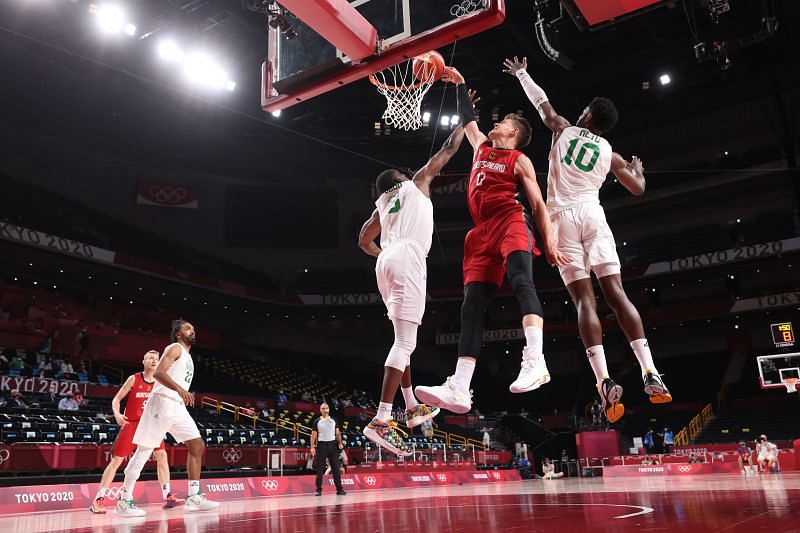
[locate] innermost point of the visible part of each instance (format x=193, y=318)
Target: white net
x=404, y=94
x=791, y=385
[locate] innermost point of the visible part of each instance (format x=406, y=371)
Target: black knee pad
x=520, y=275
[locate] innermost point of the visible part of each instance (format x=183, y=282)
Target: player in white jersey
x=404, y=219
x=580, y=160
x=166, y=412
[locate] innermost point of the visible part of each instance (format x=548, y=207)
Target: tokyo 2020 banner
x=43, y=498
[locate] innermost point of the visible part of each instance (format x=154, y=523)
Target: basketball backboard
x=303, y=63
x=773, y=369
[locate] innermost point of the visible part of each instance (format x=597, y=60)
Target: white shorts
x=162, y=415
x=402, y=275
x=583, y=235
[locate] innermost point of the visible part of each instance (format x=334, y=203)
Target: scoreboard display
x=783, y=334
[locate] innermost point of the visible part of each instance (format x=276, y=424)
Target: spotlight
x=130, y=29
x=665, y=79
x=201, y=70
x=169, y=51
x=426, y=116
x=454, y=120
x=110, y=18
x=231, y=85
x=445, y=121
x=276, y=113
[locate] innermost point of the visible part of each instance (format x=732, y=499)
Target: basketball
x=428, y=66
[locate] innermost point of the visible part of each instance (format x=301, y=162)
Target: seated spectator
x=549, y=470
x=647, y=460
x=45, y=369
x=16, y=401
x=66, y=368
x=68, y=403
x=17, y=363
x=745, y=456
x=80, y=400
x=82, y=370
x=306, y=396
x=767, y=455
x=266, y=413
x=694, y=459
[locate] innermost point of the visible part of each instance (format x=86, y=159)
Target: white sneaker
x=127, y=508
x=198, y=502
x=448, y=396
x=533, y=373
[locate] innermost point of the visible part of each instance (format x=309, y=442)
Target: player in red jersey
x=501, y=244
x=136, y=391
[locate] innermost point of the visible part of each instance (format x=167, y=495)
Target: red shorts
x=124, y=446
x=488, y=245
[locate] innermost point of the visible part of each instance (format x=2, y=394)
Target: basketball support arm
x=339, y=23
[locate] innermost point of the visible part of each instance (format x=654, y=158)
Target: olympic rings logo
x=270, y=484
x=684, y=468
x=113, y=493
x=442, y=477
x=370, y=480
x=5, y=455
x=167, y=194
x=231, y=455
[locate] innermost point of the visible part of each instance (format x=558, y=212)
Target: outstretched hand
x=452, y=75
x=473, y=95
x=635, y=165
x=513, y=65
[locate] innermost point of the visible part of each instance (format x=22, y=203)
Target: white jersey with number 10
x=579, y=164
x=181, y=372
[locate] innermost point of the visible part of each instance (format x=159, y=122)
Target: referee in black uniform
x=326, y=441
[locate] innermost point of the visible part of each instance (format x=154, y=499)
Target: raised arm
x=369, y=232
x=630, y=175
x=466, y=101
x=162, y=377
x=424, y=176
x=524, y=170
x=536, y=95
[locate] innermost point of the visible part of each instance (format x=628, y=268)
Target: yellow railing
x=298, y=429
x=237, y=411
x=695, y=427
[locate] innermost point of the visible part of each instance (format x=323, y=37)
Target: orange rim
x=375, y=81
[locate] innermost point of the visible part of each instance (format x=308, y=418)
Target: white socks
x=642, y=350
x=533, y=339
x=464, y=369
x=408, y=396
x=165, y=490
x=101, y=492
x=597, y=358
x=384, y=411
x=194, y=487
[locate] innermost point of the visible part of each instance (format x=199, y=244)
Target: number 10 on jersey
x=579, y=160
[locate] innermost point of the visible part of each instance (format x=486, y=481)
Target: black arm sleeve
x=465, y=109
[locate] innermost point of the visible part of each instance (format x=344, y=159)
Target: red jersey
x=137, y=397
x=493, y=187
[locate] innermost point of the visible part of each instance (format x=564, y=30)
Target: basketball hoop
x=404, y=85
x=791, y=384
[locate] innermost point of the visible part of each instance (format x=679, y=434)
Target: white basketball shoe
x=533, y=373
x=450, y=395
